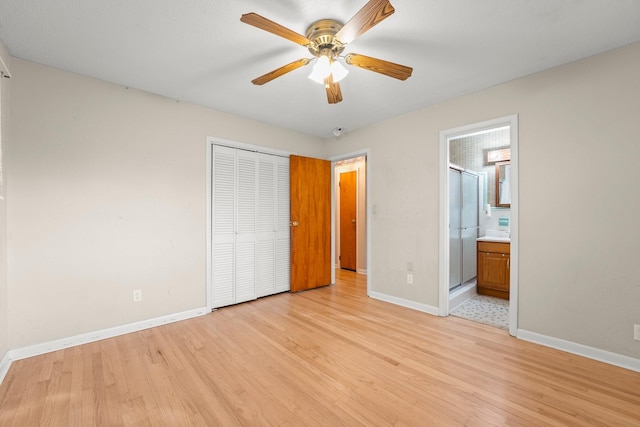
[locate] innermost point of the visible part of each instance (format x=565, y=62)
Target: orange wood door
x=310, y=223
x=493, y=270
x=348, y=182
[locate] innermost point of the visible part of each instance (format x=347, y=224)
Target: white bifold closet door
x=250, y=225
x=273, y=239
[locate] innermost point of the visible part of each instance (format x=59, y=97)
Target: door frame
x=443, y=288
x=366, y=152
x=210, y=142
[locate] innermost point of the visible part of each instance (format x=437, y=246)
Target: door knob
x=295, y=223
x=353, y=221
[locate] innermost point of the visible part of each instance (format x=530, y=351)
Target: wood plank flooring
x=325, y=357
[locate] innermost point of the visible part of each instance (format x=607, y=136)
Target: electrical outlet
x=636, y=332
x=410, y=279
x=137, y=295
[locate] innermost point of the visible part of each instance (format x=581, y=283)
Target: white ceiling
x=198, y=51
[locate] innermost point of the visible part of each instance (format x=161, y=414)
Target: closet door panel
x=245, y=271
x=224, y=198
x=282, y=229
x=223, y=227
x=246, y=225
x=223, y=281
x=265, y=279
x=246, y=192
x=266, y=194
x=282, y=193
x=282, y=266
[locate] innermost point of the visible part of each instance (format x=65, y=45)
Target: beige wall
x=4, y=92
x=579, y=135
x=108, y=191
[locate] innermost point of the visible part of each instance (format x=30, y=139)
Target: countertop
x=497, y=236
x=495, y=239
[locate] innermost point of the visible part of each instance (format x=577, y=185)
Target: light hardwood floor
x=329, y=357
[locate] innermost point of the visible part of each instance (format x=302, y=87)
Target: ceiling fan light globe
x=338, y=71
x=316, y=77
x=321, y=69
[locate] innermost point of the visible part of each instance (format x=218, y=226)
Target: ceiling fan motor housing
x=322, y=35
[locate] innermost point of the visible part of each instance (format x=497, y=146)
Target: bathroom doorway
x=491, y=210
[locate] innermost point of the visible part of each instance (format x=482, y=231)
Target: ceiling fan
x=326, y=40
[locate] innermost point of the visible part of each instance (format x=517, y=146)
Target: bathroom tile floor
x=485, y=309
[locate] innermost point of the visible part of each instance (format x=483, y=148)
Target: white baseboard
x=405, y=303
x=581, y=350
x=38, y=349
x=362, y=271
x=5, y=364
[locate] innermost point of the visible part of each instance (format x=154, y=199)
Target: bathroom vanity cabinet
x=493, y=269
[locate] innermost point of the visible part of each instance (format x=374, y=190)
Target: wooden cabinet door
x=493, y=270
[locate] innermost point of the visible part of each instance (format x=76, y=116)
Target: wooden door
x=348, y=224
x=493, y=270
x=310, y=192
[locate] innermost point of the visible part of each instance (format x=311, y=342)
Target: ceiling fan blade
x=391, y=69
x=334, y=94
x=371, y=14
x=274, y=28
x=266, y=78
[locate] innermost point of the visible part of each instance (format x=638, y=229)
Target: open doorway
x=350, y=214
x=350, y=179
x=489, y=216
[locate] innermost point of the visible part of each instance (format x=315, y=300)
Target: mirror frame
x=497, y=178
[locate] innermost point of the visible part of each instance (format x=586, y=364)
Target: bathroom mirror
x=503, y=184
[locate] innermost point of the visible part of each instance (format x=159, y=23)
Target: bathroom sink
x=494, y=239
x=495, y=236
